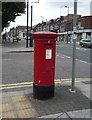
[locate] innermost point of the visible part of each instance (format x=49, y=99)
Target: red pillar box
x=44, y=64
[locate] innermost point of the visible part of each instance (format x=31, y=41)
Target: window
x=62, y=28
x=78, y=24
x=68, y=26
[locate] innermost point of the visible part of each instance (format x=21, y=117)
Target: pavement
x=8, y=46
x=65, y=104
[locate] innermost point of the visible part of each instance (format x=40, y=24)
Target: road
x=81, y=52
x=18, y=67
x=64, y=61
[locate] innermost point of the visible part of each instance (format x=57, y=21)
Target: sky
x=51, y=9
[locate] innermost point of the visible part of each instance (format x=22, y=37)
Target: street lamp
x=13, y=34
x=31, y=40
x=67, y=23
x=27, y=24
x=68, y=12
x=5, y=34
x=42, y=21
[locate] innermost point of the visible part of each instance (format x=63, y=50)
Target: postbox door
x=49, y=63
x=44, y=66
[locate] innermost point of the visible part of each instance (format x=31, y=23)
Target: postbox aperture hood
x=44, y=35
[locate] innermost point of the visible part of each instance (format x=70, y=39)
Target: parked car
x=86, y=42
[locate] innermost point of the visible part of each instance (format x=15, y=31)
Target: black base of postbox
x=43, y=92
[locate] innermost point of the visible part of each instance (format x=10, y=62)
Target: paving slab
x=72, y=114
x=64, y=104
x=15, y=47
x=25, y=106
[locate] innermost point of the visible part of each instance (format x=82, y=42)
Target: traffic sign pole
x=74, y=46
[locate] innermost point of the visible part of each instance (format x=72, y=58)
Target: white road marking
x=65, y=56
x=84, y=61
x=78, y=48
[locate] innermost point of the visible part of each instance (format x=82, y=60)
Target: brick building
x=62, y=25
x=84, y=28
x=15, y=31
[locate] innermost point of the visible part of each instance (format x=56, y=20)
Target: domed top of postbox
x=44, y=35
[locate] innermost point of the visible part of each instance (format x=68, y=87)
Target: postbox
x=44, y=64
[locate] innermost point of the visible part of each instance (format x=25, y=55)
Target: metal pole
x=67, y=37
x=5, y=34
x=68, y=13
x=13, y=34
x=31, y=16
x=74, y=47
x=67, y=24
x=27, y=26
x=31, y=41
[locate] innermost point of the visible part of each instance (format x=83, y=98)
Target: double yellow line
x=16, y=85
x=28, y=84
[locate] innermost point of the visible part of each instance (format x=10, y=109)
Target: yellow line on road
x=23, y=83
x=27, y=84
x=14, y=87
x=9, y=87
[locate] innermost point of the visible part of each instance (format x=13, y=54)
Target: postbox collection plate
x=48, y=53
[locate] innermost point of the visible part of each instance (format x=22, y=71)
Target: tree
x=10, y=10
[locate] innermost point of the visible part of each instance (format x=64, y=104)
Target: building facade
x=64, y=27
x=84, y=28
x=18, y=31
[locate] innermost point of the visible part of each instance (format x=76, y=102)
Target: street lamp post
x=5, y=34
x=67, y=23
x=42, y=21
x=68, y=11
x=13, y=34
x=27, y=24
x=46, y=25
x=31, y=40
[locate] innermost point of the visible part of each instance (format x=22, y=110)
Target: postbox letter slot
x=48, y=44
